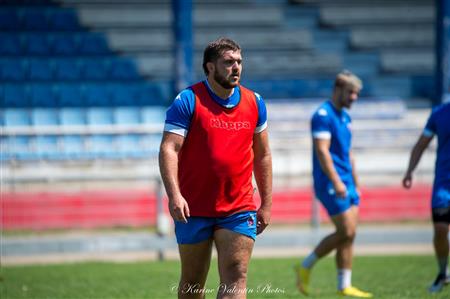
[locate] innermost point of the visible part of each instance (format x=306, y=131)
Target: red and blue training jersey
x=216, y=160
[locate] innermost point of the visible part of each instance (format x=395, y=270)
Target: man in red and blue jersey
x=214, y=139
x=438, y=124
x=335, y=183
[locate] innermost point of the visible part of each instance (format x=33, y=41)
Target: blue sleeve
x=430, y=127
x=261, y=124
x=320, y=125
x=179, y=114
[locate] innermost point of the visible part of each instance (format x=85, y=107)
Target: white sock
x=310, y=260
x=344, y=278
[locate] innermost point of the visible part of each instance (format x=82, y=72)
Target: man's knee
x=235, y=270
x=346, y=234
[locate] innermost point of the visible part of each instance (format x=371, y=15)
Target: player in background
x=438, y=124
x=215, y=136
x=335, y=183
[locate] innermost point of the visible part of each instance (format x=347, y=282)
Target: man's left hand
x=262, y=219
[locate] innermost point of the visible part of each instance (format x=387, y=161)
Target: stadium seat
x=150, y=144
x=102, y=147
x=16, y=117
x=97, y=95
x=34, y=19
x=123, y=69
x=153, y=115
x=129, y=146
x=35, y=44
x=42, y=95
x=72, y=147
x=40, y=70
x=72, y=116
x=67, y=69
x=47, y=147
x=15, y=95
x=99, y=116
x=63, y=19
x=94, y=69
x=147, y=94
x=44, y=117
x=21, y=147
x=13, y=70
x=69, y=95
x=127, y=116
x=63, y=44
x=9, y=20
x=93, y=44
x=123, y=94
x=10, y=44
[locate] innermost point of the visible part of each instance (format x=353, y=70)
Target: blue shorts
x=441, y=196
x=199, y=229
x=337, y=205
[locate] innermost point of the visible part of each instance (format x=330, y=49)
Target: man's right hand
x=407, y=181
x=340, y=189
x=179, y=209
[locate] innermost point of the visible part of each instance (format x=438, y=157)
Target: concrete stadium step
x=148, y=40
x=408, y=61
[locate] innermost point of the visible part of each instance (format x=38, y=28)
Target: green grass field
x=388, y=277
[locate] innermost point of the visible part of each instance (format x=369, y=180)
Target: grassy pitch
x=389, y=277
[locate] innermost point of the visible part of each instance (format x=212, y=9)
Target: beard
x=224, y=81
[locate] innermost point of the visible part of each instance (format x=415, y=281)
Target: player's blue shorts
x=337, y=205
x=199, y=229
x=441, y=196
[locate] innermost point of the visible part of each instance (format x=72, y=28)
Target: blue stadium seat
x=123, y=94
x=67, y=69
x=69, y=95
x=63, y=19
x=35, y=44
x=34, y=19
x=153, y=115
x=72, y=116
x=13, y=70
x=15, y=95
x=47, y=147
x=99, y=116
x=102, y=147
x=94, y=69
x=14, y=117
x=72, y=147
x=6, y=153
x=148, y=94
x=129, y=146
x=43, y=95
x=10, y=44
x=97, y=95
x=123, y=69
x=150, y=144
x=9, y=20
x=63, y=44
x=21, y=147
x=44, y=116
x=127, y=116
x=93, y=44
x=40, y=70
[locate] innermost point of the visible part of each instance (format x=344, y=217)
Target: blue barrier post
x=442, y=74
x=183, y=49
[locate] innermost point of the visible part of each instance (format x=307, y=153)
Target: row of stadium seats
x=20, y=117
x=53, y=44
x=88, y=142
x=68, y=69
x=38, y=19
x=79, y=147
x=80, y=94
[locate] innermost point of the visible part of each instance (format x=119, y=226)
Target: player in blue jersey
x=438, y=124
x=335, y=183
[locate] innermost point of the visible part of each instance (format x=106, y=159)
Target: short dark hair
x=216, y=48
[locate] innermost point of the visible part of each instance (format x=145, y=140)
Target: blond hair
x=347, y=78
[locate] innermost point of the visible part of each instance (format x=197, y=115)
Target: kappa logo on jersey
x=229, y=125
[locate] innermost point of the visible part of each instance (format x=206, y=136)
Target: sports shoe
x=354, y=292
x=438, y=283
x=302, y=275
